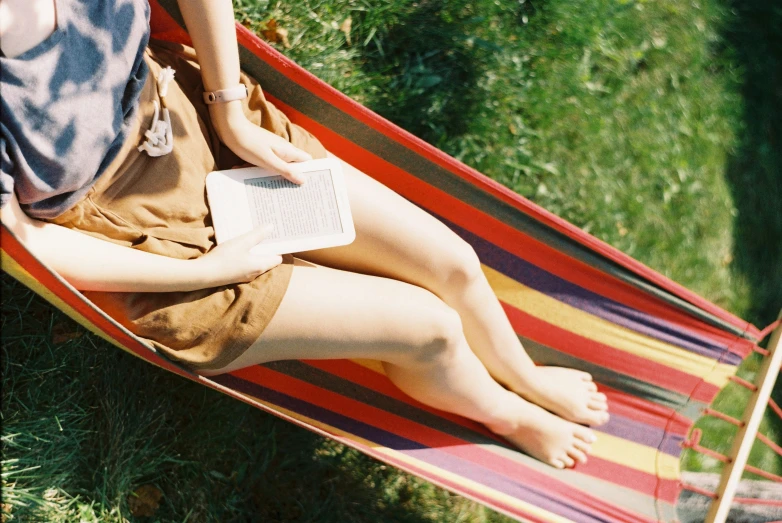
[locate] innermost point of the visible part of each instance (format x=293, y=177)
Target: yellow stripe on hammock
x=599, y=330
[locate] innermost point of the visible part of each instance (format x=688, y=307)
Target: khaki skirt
x=159, y=205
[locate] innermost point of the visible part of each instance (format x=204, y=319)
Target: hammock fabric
x=659, y=351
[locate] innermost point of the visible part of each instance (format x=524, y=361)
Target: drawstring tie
x=160, y=138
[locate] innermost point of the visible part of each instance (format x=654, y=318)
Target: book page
x=295, y=211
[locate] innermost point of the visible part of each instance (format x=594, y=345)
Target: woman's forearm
x=212, y=29
x=210, y=24
x=91, y=264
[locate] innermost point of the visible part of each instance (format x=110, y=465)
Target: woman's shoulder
x=66, y=100
x=28, y=28
x=24, y=25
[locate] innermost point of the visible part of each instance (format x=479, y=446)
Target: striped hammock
x=660, y=352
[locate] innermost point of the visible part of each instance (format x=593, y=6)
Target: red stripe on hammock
x=372, y=451
x=622, y=404
x=360, y=375
x=421, y=434
x=608, y=471
x=663, y=489
x=289, y=69
x=164, y=27
x=607, y=356
x=647, y=412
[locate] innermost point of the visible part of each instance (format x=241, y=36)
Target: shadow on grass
x=436, y=63
x=94, y=421
x=754, y=173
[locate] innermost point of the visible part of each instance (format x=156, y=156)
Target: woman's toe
x=586, y=435
x=578, y=455
x=582, y=445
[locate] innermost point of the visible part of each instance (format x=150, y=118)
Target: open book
x=310, y=216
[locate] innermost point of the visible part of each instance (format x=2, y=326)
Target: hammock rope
x=763, y=473
x=699, y=490
x=741, y=500
x=768, y=330
x=708, y=411
x=770, y=444
x=744, y=383
x=693, y=442
x=775, y=408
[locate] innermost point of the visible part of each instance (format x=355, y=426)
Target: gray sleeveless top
x=67, y=104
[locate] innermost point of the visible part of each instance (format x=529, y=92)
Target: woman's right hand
x=232, y=262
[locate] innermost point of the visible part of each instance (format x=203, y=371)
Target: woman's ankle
x=510, y=415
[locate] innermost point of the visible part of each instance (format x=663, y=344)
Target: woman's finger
x=290, y=153
x=252, y=238
x=276, y=164
x=268, y=262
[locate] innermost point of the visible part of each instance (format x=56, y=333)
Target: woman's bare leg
x=328, y=313
x=396, y=239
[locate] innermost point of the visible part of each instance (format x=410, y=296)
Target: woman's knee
x=440, y=337
x=459, y=266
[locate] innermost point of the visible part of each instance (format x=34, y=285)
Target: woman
x=103, y=154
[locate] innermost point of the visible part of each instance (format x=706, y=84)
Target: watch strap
x=226, y=95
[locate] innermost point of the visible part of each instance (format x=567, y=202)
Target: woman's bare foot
x=568, y=393
x=547, y=437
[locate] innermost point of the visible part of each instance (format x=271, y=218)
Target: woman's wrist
x=203, y=274
x=226, y=117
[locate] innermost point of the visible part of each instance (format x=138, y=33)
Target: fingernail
x=268, y=228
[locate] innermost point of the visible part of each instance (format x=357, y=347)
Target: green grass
x=653, y=125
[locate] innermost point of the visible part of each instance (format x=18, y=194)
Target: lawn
x=652, y=125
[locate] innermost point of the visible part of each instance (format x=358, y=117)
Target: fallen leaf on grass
x=62, y=332
x=144, y=501
x=274, y=34
x=345, y=28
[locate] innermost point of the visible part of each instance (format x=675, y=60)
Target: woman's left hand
x=258, y=146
